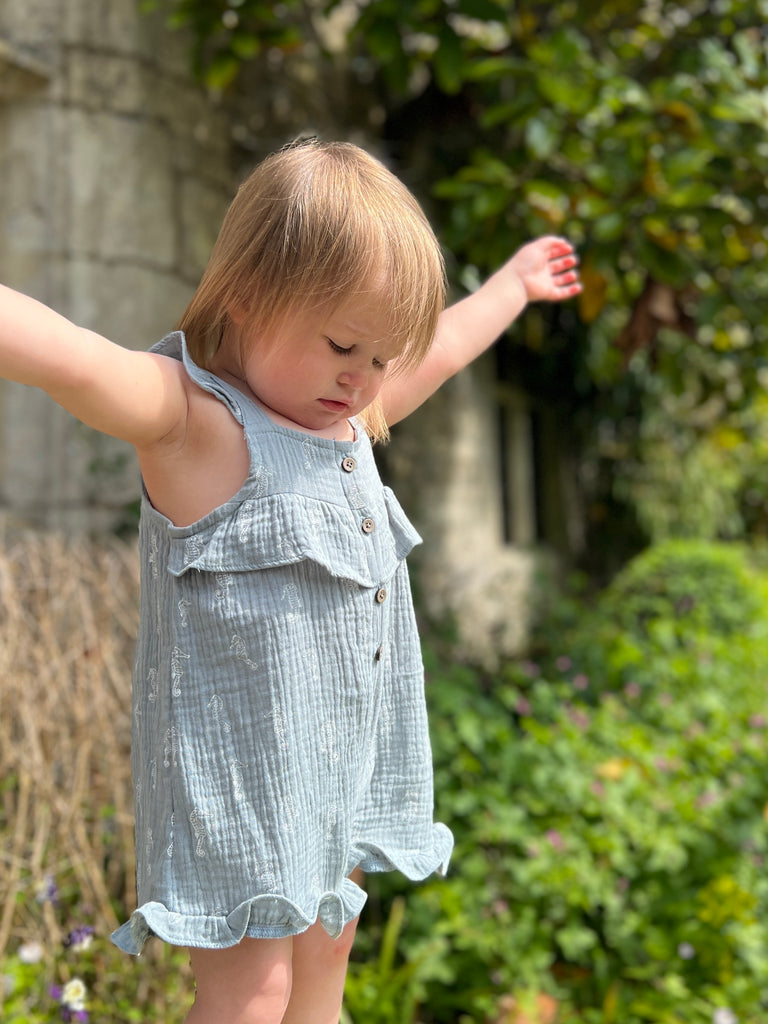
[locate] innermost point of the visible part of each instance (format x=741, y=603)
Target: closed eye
x=339, y=350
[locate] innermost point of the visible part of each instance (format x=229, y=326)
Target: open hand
x=547, y=269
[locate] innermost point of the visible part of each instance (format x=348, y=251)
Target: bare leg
x=246, y=984
x=319, y=972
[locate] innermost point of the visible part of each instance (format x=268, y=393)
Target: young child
x=280, y=741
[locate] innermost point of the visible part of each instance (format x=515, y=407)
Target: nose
x=356, y=378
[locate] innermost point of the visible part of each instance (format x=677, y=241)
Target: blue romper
x=279, y=726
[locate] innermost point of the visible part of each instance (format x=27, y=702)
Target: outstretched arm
x=543, y=270
x=132, y=395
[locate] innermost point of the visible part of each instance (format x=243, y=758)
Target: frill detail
x=271, y=916
x=282, y=529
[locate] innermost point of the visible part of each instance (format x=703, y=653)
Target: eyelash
x=348, y=352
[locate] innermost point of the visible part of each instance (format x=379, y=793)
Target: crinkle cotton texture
x=279, y=726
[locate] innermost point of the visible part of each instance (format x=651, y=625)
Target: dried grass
x=68, y=618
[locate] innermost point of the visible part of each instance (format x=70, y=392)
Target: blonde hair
x=315, y=225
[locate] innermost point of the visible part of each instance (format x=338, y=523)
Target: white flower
x=31, y=952
x=686, y=952
x=724, y=1016
x=73, y=996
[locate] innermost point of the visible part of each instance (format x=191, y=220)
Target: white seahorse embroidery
x=171, y=747
x=153, y=553
x=199, y=830
x=262, y=479
x=153, y=774
x=265, y=875
x=149, y=842
x=310, y=454
x=331, y=819
x=411, y=808
x=184, y=605
x=356, y=498
x=216, y=707
x=169, y=847
x=152, y=682
x=238, y=648
x=177, y=669
x=279, y=724
x=236, y=774
x=328, y=743
x=223, y=583
x=192, y=549
x=292, y=598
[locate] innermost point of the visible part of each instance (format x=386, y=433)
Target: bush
x=610, y=824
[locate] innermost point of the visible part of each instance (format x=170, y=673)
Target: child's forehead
x=359, y=323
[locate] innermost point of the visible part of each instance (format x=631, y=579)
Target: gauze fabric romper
x=279, y=724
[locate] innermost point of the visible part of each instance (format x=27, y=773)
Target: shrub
x=610, y=825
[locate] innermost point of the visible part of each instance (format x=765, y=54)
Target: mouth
x=333, y=406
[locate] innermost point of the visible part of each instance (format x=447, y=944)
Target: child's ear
x=237, y=313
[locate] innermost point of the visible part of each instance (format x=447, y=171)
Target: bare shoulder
x=199, y=465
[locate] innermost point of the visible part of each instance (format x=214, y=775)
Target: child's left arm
x=543, y=270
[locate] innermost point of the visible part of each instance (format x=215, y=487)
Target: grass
x=68, y=619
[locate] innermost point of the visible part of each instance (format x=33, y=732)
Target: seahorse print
x=153, y=774
x=153, y=553
x=192, y=549
x=411, y=807
x=216, y=707
x=310, y=454
x=153, y=685
x=199, y=830
x=177, y=669
x=279, y=724
x=328, y=743
x=264, y=875
x=238, y=648
x=331, y=820
x=171, y=747
x=169, y=847
x=262, y=478
x=292, y=598
x=223, y=583
x=244, y=520
x=149, y=842
x=236, y=774
x=183, y=606
x=356, y=498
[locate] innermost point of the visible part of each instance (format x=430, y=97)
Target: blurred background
x=592, y=492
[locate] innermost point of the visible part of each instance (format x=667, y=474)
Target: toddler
x=280, y=742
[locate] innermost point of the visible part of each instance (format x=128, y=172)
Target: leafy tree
x=638, y=130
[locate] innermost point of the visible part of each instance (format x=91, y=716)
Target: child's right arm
x=136, y=396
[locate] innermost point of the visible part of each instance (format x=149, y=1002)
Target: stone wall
x=116, y=172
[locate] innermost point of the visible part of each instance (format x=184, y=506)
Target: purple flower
x=48, y=891
x=557, y=841
x=523, y=706
x=80, y=938
x=581, y=681
x=563, y=663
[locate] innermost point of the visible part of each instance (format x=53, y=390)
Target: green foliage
x=610, y=816
x=638, y=130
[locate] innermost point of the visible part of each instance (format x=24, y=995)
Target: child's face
x=322, y=373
